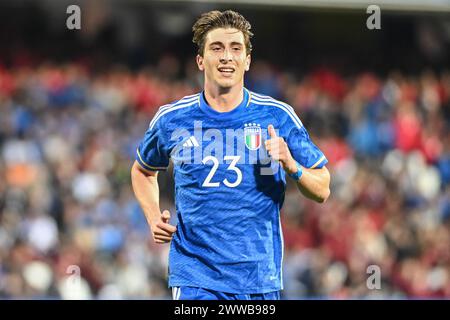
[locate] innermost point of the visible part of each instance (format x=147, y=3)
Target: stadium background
x=74, y=104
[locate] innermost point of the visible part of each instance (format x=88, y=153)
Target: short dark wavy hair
x=220, y=19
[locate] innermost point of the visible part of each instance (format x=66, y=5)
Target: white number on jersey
x=232, y=166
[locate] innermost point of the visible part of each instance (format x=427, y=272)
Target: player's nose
x=226, y=56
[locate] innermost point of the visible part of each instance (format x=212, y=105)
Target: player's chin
x=226, y=83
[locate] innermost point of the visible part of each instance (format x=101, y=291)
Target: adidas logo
x=191, y=142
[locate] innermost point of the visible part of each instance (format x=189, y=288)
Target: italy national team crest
x=252, y=135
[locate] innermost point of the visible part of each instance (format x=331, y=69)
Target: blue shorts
x=194, y=293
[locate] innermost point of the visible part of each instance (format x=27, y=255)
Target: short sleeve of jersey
x=300, y=144
x=152, y=152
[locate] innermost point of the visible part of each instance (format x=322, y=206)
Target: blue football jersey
x=228, y=191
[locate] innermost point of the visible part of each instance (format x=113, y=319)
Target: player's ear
x=200, y=65
x=248, y=60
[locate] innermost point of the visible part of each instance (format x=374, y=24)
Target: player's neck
x=224, y=100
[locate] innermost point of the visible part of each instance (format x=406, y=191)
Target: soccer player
x=231, y=150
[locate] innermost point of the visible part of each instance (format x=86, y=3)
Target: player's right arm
x=146, y=190
x=152, y=155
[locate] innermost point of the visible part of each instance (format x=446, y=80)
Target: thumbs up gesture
x=279, y=151
x=162, y=231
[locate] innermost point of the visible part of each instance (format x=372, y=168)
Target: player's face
x=225, y=59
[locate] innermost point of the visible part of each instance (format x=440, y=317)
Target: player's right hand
x=162, y=231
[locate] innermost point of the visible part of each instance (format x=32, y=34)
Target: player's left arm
x=313, y=183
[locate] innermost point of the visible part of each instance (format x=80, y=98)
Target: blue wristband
x=296, y=176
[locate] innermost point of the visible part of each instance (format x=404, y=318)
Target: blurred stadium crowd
x=67, y=143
